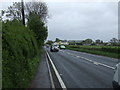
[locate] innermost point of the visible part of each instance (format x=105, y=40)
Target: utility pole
x=23, y=15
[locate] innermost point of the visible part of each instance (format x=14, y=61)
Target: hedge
x=19, y=53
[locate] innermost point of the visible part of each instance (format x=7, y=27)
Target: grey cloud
x=83, y=20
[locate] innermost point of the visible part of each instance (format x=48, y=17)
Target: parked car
x=62, y=47
x=54, y=48
x=116, y=77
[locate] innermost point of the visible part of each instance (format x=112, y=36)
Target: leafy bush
x=38, y=27
x=20, y=54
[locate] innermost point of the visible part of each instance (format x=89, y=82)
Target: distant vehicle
x=116, y=77
x=54, y=48
x=47, y=46
x=62, y=47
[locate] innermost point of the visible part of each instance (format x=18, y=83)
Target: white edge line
x=56, y=72
x=51, y=78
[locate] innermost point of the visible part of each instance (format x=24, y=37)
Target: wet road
x=82, y=70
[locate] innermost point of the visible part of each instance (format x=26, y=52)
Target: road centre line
x=68, y=53
x=94, y=62
x=88, y=59
x=97, y=63
x=57, y=74
x=107, y=66
x=77, y=56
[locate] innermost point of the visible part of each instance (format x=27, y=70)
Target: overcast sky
x=82, y=20
x=79, y=21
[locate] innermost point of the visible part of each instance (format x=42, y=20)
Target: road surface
x=82, y=70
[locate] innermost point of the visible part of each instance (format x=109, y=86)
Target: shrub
x=20, y=54
x=38, y=27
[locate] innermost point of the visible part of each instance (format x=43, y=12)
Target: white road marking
x=94, y=62
x=77, y=56
x=57, y=74
x=51, y=78
x=106, y=65
x=82, y=57
x=68, y=53
x=87, y=59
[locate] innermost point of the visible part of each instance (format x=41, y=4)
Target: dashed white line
x=68, y=53
x=94, y=62
x=77, y=56
x=106, y=65
x=87, y=59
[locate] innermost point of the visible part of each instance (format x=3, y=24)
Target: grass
x=108, y=51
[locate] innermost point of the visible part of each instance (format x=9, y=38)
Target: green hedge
x=19, y=53
x=110, y=51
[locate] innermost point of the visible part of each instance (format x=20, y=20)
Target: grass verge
x=93, y=51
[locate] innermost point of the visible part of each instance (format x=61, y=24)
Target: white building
x=61, y=42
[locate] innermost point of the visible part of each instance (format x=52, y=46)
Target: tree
x=49, y=42
x=57, y=40
x=38, y=27
x=101, y=42
x=98, y=41
x=14, y=11
x=39, y=8
x=114, y=41
x=88, y=41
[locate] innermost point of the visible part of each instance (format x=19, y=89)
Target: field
x=109, y=51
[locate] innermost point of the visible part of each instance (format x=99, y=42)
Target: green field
x=109, y=51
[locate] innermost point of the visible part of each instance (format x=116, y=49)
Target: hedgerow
x=20, y=55
x=110, y=51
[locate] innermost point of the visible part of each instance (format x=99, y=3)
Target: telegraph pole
x=23, y=15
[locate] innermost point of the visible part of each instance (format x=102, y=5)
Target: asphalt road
x=82, y=70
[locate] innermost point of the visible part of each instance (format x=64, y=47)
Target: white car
x=54, y=48
x=116, y=77
x=62, y=47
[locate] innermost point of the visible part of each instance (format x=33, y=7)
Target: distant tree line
x=112, y=42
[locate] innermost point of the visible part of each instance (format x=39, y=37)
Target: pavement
x=41, y=79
